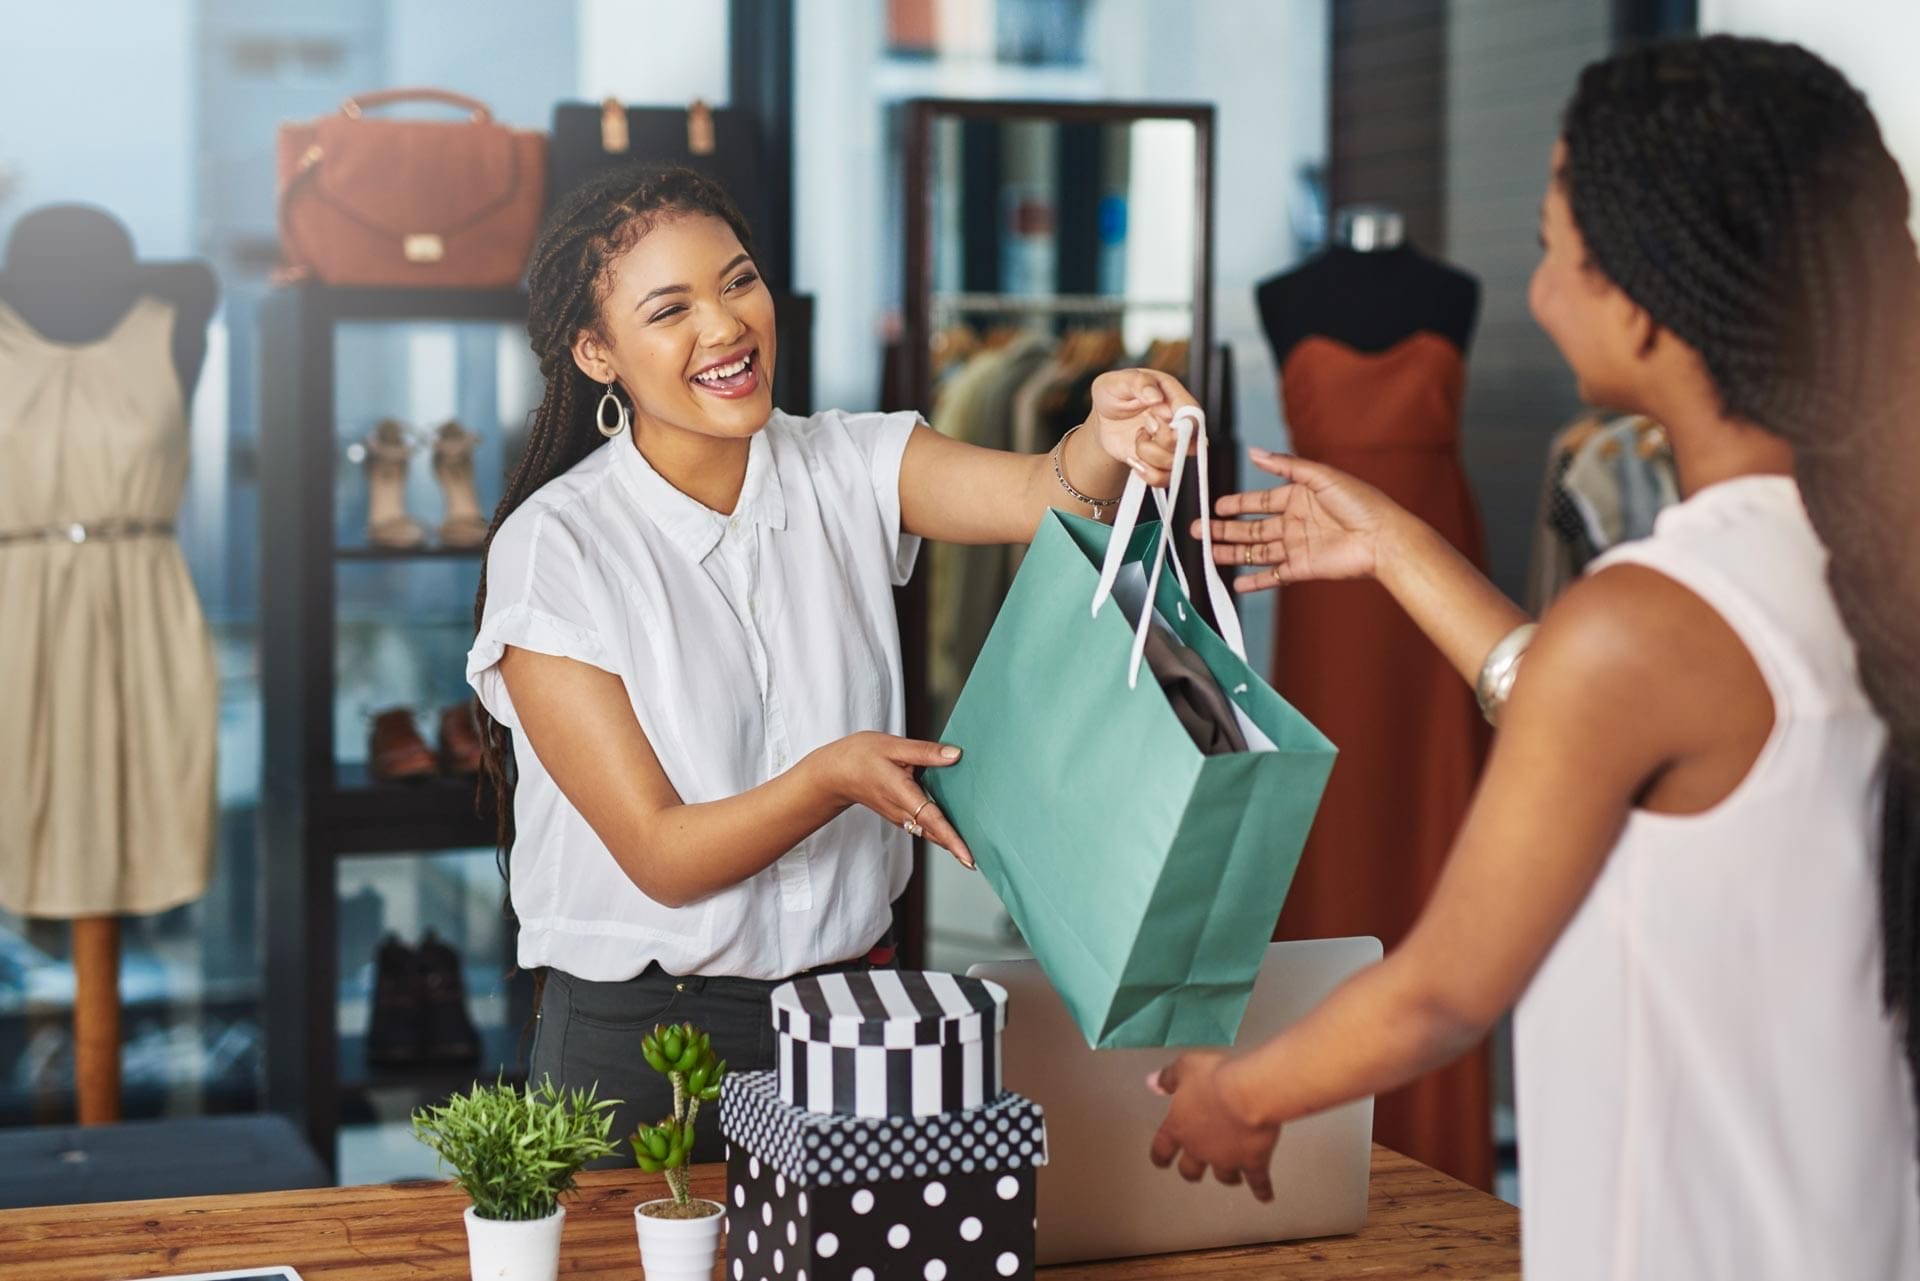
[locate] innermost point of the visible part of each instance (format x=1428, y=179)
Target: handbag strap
x=360, y=103
x=1189, y=428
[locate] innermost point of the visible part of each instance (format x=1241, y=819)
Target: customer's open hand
x=1323, y=525
x=1133, y=417
x=1204, y=1130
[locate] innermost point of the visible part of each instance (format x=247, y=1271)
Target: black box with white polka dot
x=820, y=1197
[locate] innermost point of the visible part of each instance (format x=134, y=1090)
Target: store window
x=179, y=107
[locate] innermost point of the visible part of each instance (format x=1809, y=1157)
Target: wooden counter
x=1421, y=1223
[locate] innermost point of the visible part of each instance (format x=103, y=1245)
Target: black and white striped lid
x=893, y=1009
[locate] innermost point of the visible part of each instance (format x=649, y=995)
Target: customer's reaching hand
x=1322, y=525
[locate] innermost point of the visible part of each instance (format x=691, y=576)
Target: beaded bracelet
x=1099, y=505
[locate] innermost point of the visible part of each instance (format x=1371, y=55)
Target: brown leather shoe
x=395, y=749
x=461, y=750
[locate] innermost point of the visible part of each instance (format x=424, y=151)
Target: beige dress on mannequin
x=110, y=701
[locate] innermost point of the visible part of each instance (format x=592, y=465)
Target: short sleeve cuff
x=896, y=429
x=524, y=627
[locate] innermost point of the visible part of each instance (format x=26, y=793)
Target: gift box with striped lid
x=885, y=1043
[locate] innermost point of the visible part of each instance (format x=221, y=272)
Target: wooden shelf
x=351, y=304
x=499, y=1054
x=364, y=816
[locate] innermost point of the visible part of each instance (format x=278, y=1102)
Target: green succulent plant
x=684, y=1055
x=514, y=1151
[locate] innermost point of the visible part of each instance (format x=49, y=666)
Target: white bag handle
x=1186, y=422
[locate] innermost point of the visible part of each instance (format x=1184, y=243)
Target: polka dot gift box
x=901, y=1195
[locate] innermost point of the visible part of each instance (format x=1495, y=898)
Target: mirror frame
x=922, y=113
x=1205, y=376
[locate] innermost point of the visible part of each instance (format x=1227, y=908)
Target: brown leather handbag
x=409, y=202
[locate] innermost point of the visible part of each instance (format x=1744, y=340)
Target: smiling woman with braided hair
x=687, y=649
x=1694, y=849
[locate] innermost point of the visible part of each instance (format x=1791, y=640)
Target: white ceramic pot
x=525, y=1250
x=678, y=1249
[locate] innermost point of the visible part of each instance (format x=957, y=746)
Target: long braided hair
x=1739, y=192
x=572, y=266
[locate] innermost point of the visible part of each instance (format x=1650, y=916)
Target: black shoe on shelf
x=450, y=1034
x=395, y=1031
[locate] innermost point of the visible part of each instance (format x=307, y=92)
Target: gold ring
x=1246, y=553
x=913, y=829
x=915, y=816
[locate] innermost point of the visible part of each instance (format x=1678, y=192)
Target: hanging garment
x=1605, y=484
x=965, y=585
x=1410, y=737
x=1708, y=1083
x=1620, y=480
x=110, y=706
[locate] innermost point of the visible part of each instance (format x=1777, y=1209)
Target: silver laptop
x=1101, y=1198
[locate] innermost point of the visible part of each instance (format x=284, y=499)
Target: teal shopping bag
x=1145, y=876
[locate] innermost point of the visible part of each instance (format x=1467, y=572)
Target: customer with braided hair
x=1694, y=850
x=687, y=648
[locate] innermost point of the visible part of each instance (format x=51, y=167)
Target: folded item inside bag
x=1216, y=726
x=1194, y=695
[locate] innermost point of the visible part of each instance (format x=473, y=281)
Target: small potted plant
x=680, y=1234
x=514, y=1151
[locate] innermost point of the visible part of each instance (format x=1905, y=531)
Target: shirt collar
x=695, y=528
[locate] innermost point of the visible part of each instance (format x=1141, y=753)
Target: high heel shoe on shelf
x=395, y=749
x=463, y=525
x=388, y=454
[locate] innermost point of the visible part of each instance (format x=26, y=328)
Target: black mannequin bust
x=1369, y=290
x=70, y=272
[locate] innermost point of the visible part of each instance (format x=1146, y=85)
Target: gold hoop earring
x=623, y=416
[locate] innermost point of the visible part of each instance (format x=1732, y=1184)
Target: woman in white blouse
x=687, y=637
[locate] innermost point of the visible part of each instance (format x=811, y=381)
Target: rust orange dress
x=1411, y=739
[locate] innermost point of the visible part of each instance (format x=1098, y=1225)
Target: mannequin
x=1342, y=293
x=71, y=274
x=71, y=277
x=1370, y=339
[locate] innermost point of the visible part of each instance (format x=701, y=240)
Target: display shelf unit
x=316, y=809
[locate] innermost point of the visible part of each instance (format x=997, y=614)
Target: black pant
x=589, y=1033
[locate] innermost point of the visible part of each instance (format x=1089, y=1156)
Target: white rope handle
x=1187, y=421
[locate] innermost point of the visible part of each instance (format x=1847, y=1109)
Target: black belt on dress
x=77, y=533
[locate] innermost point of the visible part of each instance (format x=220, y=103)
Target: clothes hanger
x=1574, y=437
x=1651, y=437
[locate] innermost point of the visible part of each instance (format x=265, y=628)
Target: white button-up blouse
x=745, y=641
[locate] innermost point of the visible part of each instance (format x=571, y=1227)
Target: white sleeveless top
x=1708, y=1085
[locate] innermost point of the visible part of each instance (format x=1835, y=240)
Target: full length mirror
x=1053, y=241
x=1046, y=244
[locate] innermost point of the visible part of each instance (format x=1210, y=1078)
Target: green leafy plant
x=684, y=1055
x=515, y=1151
